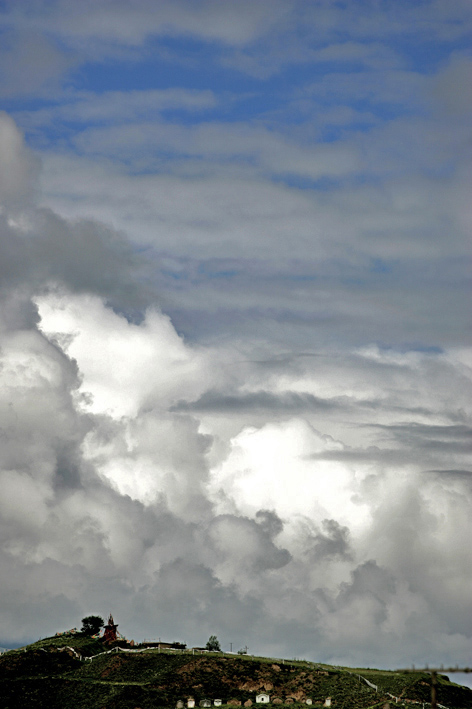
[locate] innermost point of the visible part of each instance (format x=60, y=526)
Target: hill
x=73, y=672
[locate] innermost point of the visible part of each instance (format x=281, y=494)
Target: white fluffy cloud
x=125, y=367
x=114, y=481
x=273, y=467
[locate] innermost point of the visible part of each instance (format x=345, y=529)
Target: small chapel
x=110, y=633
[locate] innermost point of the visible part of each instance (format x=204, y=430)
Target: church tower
x=110, y=630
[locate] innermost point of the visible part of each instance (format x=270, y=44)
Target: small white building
x=205, y=703
x=180, y=704
x=190, y=703
x=309, y=700
x=327, y=702
x=217, y=702
x=262, y=698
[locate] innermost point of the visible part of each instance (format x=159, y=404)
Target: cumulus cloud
x=117, y=357
x=126, y=495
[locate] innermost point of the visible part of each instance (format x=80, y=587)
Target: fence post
x=434, y=699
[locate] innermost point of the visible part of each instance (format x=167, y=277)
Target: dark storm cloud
x=250, y=543
x=288, y=402
x=269, y=521
x=368, y=578
x=85, y=257
x=16, y=259
x=332, y=541
x=467, y=474
x=435, y=432
x=37, y=246
x=434, y=438
x=392, y=456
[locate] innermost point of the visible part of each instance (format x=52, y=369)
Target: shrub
x=91, y=624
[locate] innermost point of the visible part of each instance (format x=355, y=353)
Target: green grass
x=43, y=676
x=83, y=644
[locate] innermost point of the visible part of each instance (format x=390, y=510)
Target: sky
x=235, y=353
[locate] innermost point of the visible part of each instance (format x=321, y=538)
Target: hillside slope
x=50, y=674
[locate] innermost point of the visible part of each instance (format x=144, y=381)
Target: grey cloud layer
x=37, y=246
x=230, y=232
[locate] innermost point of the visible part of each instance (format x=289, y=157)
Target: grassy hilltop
x=46, y=674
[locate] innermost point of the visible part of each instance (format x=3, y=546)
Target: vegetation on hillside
x=83, y=644
x=213, y=644
x=49, y=674
x=92, y=624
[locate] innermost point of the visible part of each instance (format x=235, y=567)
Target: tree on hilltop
x=91, y=624
x=213, y=644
